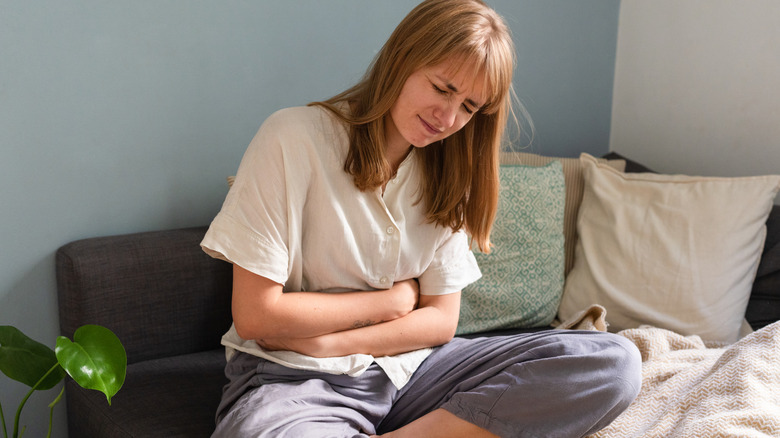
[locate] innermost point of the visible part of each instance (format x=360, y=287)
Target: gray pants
x=545, y=384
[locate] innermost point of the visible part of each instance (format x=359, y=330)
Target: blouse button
x=383, y=280
x=390, y=230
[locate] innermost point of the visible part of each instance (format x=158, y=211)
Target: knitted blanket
x=689, y=390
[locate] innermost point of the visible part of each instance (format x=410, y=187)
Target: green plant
x=95, y=360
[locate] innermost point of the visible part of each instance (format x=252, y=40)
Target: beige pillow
x=673, y=251
x=572, y=175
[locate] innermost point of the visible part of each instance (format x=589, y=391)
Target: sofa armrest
x=158, y=291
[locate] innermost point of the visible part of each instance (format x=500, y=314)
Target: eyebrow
x=454, y=89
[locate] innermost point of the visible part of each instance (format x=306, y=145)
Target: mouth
x=430, y=128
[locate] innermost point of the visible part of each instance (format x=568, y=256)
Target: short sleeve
x=453, y=267
x=253, y=228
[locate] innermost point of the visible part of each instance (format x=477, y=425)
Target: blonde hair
x=460, y=181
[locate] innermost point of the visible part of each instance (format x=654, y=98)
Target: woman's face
x=435, y=102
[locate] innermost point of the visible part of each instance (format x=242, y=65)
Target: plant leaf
x=26, y=360
x=95, y=359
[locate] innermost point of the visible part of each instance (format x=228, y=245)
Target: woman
x=349, y=227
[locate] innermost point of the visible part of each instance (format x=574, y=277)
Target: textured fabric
x=764, y=305
x=572, y=173
x=522, y=277
x=266, y=399
x=294, y=216
x=165, y=398
x=592, y=318
x=547, y=384
x=157, y=291
x=690, y=391
x=669, y=250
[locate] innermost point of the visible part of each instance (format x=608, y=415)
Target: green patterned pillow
x=522, y=277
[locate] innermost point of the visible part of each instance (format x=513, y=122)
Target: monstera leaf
x=26, y=360
x=95, y=359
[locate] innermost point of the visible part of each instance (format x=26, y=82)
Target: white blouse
x=294, y=216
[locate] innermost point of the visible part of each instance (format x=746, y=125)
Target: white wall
x=697, y=86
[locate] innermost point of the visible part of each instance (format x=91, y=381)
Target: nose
x=446, y=114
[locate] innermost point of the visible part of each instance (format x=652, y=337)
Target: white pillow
x=672, y=251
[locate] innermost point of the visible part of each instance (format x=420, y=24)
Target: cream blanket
x=689, y=390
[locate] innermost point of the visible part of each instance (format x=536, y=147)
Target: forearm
x=307, y=314
x=262, y=310
x=432, y=324
x=426, y=327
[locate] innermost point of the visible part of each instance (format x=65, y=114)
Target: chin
x=424, y=143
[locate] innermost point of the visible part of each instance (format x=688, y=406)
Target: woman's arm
x=433, y=323
x=262, y=311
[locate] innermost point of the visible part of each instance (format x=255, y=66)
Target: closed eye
x=444, y=92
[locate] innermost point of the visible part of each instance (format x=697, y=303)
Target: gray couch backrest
x=158, y=291
x=764, y=305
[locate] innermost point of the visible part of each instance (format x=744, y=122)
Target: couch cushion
x=158, y=291
x=764, y=304
x=572, y=174
x=169, y=397
x=669, y=250
x=522, y=277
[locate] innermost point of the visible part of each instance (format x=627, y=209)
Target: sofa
x=169, y=303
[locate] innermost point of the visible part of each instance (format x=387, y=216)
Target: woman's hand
x=405, y=296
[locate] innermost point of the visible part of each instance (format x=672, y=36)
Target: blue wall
x=564, y=77
x=118, y=116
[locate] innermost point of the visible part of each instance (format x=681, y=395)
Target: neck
x=396, y=147
x=396, y=157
